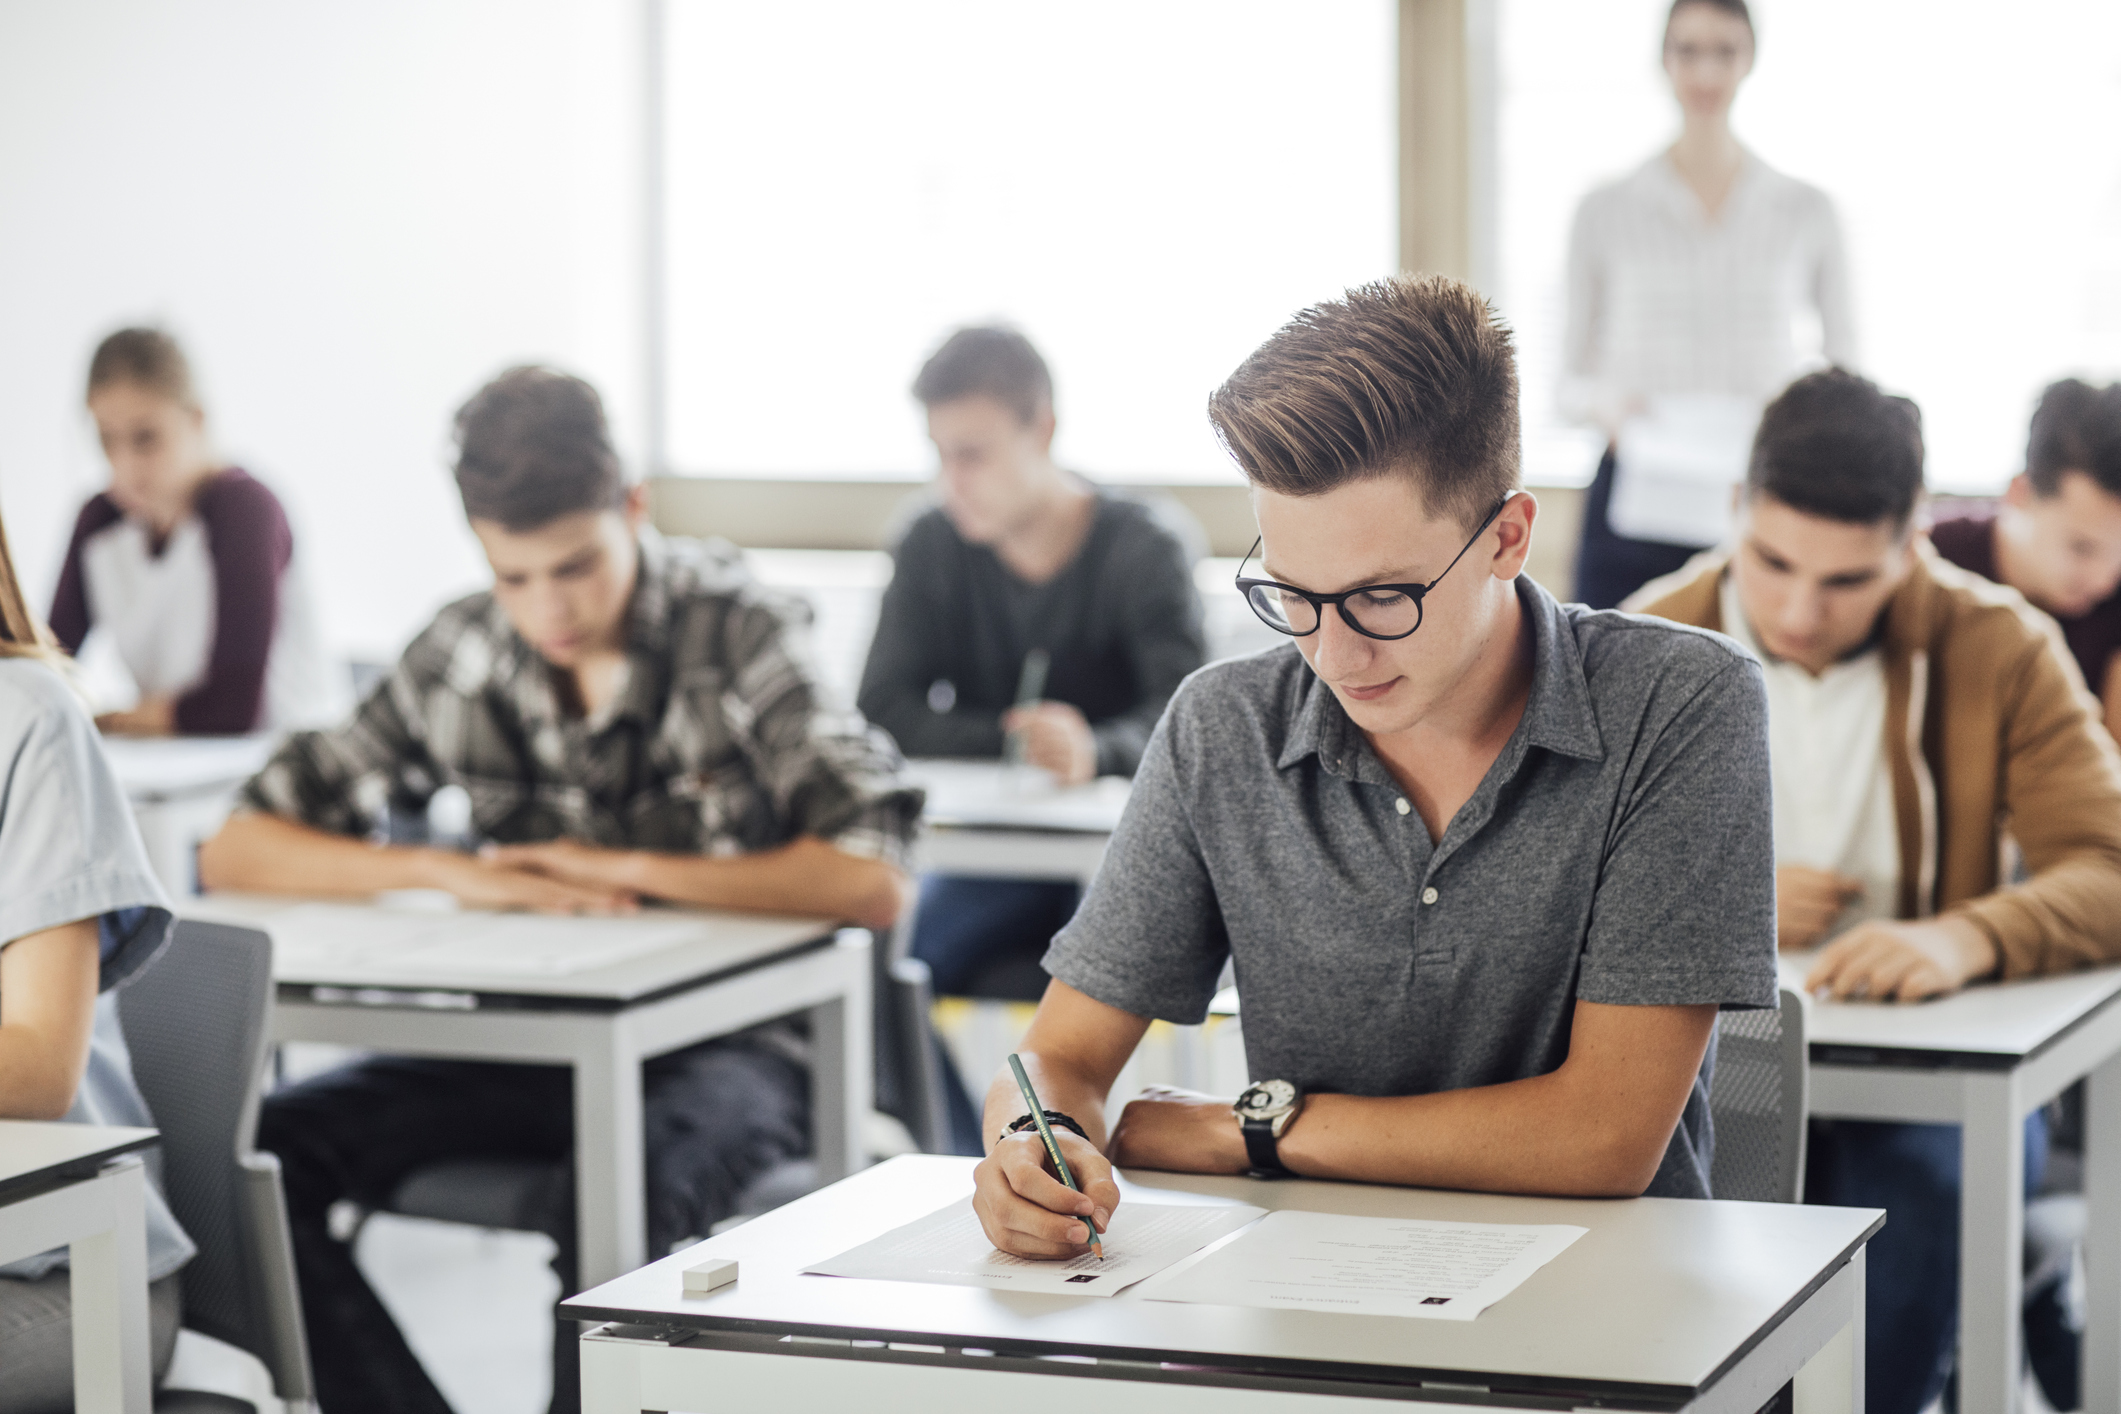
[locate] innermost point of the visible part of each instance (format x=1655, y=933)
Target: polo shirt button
x=1428, y=895
x=1402, y=807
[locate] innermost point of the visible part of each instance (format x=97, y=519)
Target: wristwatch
x=1263, y=1112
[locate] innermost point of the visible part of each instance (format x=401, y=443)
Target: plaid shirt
x=717, y=742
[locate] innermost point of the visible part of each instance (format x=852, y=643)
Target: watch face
x=1266, y=1097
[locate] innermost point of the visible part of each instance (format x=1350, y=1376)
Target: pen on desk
x=1030, y=687
x=1045, y=1132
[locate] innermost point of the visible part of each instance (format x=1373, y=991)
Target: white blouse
x=1664, y=299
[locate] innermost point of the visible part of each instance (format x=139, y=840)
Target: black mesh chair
x=1759, y=1099
x=196, y=1023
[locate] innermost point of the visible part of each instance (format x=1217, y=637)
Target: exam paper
x=1675, y=465
x=950, y=1249
x=1371, y=1266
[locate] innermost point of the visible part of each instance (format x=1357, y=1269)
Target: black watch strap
x=1261, y=1148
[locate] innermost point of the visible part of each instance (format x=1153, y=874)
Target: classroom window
x=1976, y=167
x=1146, y=190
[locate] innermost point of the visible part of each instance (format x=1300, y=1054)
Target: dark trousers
x=1912, y=1291
x=985, y=938
x=716, y=1116
x=1610, y=567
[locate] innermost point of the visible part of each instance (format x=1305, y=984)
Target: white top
x=68, y=851
x=1663, y=299
x=158, y=613
x=1833, y=785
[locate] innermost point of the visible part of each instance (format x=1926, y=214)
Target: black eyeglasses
x=1385, y=611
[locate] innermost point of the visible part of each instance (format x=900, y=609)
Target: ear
x=1042, y=430
x=2020, y=493
x=1513, y=535
x=634, y=509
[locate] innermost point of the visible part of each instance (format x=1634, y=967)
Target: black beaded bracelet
x=1053, y=1117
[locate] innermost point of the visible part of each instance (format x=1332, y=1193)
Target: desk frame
x=1989, y=1099
x=607, y=1045
x=102, y=1221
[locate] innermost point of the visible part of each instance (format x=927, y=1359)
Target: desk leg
x=1991, y=1244
x=842, y=1044
x=109, y=1289
x=2102, y=1240
x=610, y=1168
x=611, y=1374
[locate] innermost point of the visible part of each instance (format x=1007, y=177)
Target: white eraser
x=707, y=1276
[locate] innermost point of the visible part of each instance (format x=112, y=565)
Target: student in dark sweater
x=1020, y=556
x=2055, y=537
x=187, y=565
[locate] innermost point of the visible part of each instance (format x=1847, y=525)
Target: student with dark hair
x=631, y=722
x=187, y=565
x=1021, y=558
x=1914, y=711
x=1487, y=865
x=2055, y=536
x=1686, y=279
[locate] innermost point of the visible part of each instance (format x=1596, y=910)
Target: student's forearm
x=1061, y=1086
x=1073, y=1054
x=263, y=853
x=805, y=876
x=1596, y=1126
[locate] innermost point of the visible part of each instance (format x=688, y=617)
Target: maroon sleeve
x=247, y=535
x=69, y=618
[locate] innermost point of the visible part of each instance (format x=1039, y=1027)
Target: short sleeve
x=1685, y=908
x=1149, y=937
x=69, y=849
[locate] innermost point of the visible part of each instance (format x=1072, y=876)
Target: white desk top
x=33, y=1154
x=425, y=946
x=1663, y=1292
x=156, y=768
x=1994, y=1020
x=987, y=795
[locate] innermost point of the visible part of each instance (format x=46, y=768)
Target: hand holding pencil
x=1024, y=1205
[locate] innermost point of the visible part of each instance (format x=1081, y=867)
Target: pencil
x=1045, y=1132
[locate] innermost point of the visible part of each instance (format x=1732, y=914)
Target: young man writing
x=2056, y=535
x=1021, y=558
x=1487, y=865
x=1914, y=712
x=631, y=722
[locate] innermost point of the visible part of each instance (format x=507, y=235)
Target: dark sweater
x=1121, y=622
x=248, y=537
x=1968, y=540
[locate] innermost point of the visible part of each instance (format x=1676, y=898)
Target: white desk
x=1984, y=1059
x=82, y=1187
x=669, y=978
x=181, y=789
x=1665, y=1304
x=1011, y=822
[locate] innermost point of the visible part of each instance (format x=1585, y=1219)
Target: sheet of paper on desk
x=332, y=935
x=948, y=1248
x=1371, y=1266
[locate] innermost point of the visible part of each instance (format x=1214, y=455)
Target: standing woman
x=188, y=564
x=1686, y=281
x=80, y=911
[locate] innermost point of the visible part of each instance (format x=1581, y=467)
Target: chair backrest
x=1759, y=1100
x=196, y=1024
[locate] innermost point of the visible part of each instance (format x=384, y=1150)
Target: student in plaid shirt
x=632, y=720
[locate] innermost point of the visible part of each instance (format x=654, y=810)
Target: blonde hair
x=22, y=634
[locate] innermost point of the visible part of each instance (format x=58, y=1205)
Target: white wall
x=351, y=215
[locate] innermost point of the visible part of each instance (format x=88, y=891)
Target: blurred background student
x=187, y=566
x=1021, y=558
x=1686, y=280
x=2055, y=536
x=80, y=911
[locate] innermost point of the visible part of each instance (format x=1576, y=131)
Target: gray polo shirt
x=1620, y=850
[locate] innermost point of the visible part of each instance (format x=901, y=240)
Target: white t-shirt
x=1833, y=783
